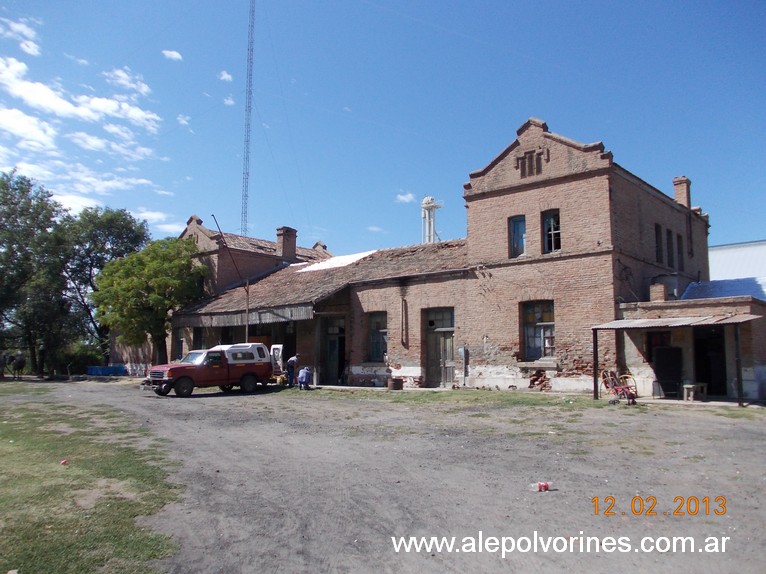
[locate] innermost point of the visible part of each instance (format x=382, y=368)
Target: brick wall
x=636, y=209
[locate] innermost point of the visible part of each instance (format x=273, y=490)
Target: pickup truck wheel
x=183, y=387
x=248, y=384
x=162, y=390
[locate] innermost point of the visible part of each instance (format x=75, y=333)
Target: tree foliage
x=97, y=236
x=49, y=260
x=136, y=294
x=33, y=252
x=27, y=217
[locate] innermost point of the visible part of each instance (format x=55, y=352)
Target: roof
x=749, y=286
x=738, y=260
x=252, y=244
x=291, y=292
x=671, y=322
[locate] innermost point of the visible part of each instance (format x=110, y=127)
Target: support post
x=595, y=364
x=738, y=365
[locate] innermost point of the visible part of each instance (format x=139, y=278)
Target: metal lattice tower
x=248, y=114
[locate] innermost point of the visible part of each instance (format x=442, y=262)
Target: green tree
x=97, y=236
x=33, y=252
x=28, y=215
x=136, y=294
x=43, y=315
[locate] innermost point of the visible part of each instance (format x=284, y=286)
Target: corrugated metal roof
x=674, y=322
x=235, y=319
x=743, y=287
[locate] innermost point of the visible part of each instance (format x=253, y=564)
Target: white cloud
x=127, y=150
x=153, y=217
x=225, y=76
x=29, y=47
x=408, y=197
x=23, y=32
x=88, y=141
x=79, y=61
x=101, y=107
x=79, y=179
x=374, y=229
x=228, y=100
x=75, y=203
x=171, y=227
x=183, y=120
x=35, y=94
x=32, y=132
x=87, y=108
x=125, y=78
x=122, y=132
x=39, y=171
x=172, y=55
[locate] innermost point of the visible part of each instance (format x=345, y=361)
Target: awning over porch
x=671, y=322
x=282, y=314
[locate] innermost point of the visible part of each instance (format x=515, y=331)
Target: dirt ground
x=319, y=481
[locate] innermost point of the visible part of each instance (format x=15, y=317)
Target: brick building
x=564, y=248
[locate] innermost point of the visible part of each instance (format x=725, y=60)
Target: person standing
x=292, y=364
x=304, y=378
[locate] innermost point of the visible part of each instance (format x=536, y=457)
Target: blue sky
x=362, y=108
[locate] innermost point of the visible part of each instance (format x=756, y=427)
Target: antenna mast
x=248, y=114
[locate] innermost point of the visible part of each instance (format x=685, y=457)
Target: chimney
x=658, y=292
x=286, y=242
x=682, y=187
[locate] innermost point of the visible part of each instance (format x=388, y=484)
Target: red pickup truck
x=242, y=365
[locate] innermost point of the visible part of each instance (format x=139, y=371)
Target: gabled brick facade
x=601, y=252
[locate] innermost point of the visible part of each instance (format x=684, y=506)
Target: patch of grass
x=738, y=413
x=8, y=388
x=45, y=527
x=466, y=397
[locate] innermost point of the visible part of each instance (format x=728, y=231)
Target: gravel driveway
x=320, y=481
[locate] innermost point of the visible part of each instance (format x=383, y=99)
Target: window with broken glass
x=378, y=335
x=551, y=231
x=539, y=330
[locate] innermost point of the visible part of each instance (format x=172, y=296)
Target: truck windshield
x=194, y=358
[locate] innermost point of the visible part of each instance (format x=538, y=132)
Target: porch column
x=595, y=364
x=738, y=366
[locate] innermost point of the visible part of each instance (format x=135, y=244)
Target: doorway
x=334, y=351
x=710, y=359
x=440, y=348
